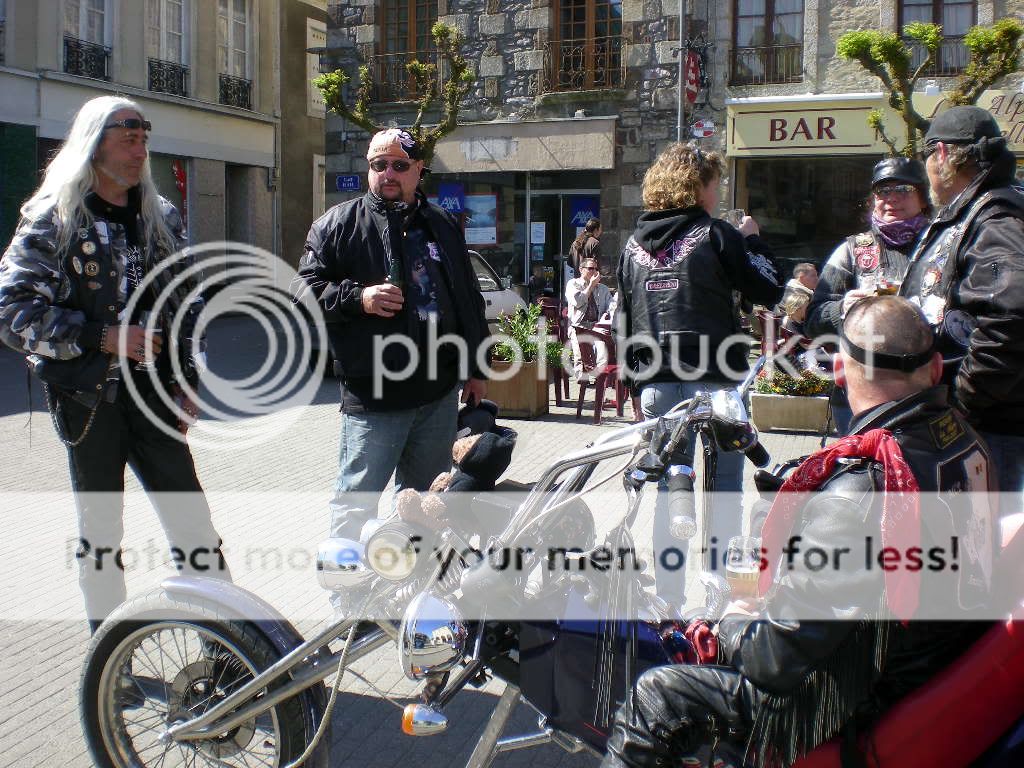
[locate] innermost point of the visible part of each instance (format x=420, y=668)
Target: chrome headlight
x=392, y=551
x=341, y=564
x=433, y=637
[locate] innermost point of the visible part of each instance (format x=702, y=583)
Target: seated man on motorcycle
x=819, y=655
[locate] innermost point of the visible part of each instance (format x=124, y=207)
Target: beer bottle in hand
x=395, y=276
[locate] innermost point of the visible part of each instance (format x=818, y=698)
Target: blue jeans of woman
x=727, y=517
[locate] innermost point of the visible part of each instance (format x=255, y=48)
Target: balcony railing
x=392, y=81
x=583, y=64
x=235, y=91
x=86, y=59
x=168, y=77
x=951, y=59
x=767, y=64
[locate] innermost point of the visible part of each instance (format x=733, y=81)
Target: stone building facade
x=216, y=78
x=575, y=98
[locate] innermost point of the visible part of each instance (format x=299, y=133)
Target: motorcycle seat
x=954, y=718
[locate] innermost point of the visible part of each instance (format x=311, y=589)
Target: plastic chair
x=602, y=380
x=558, y=320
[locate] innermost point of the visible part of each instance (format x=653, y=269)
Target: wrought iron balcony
x=767, y=64
x=950, y=60
x=235, y=91
x=392, y=81
x=168, y=77
x=86, y=59
x=583, y=64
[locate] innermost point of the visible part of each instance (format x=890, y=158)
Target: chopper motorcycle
x=201, y=672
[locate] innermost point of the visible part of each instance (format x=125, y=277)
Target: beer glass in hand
x=743, y=566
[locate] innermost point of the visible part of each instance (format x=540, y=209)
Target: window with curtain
x=768, y=41
x=165, y=30
x=955, y=18
x=405, y=35
x=233, y=38
x=586, y=48
x=85, y=20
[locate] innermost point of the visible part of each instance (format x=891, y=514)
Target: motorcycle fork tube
x=226, y=715
x=710, y=468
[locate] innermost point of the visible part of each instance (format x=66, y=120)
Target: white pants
x=578, y=336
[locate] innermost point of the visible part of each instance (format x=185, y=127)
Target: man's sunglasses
x=131, y=123
x=895, y=190
x=399, y=166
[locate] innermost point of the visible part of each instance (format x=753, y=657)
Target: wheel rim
x=170, y=672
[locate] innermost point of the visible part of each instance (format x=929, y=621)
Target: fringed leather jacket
x=820, y=674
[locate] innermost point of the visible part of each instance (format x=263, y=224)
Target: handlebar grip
x=682, y=508
x=758, y=455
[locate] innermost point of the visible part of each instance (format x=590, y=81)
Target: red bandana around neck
x=901, y=514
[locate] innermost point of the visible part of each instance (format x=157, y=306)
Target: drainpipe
x=680, y=111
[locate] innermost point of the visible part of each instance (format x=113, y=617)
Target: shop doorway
x=551, y=220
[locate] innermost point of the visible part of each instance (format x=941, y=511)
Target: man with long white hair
x=74, y=296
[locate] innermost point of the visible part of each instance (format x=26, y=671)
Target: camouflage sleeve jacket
x=54, y=305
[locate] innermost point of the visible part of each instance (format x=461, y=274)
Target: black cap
x=962, y=125
x=900, y=169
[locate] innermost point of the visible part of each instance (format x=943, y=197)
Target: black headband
x=905, y=363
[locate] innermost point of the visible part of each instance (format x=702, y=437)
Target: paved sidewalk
x=40, y=659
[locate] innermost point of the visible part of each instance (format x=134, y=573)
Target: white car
x=499, y=298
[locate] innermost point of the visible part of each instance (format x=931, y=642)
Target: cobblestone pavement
x=42, y=643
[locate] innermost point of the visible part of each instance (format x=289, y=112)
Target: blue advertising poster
x=347, y=182
x=583, y=208
x=452, y=197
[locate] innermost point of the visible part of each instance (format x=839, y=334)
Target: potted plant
x=783, y=401
x=518, y=382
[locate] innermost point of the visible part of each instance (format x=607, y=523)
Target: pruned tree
x=459, y=79
x=994, y=53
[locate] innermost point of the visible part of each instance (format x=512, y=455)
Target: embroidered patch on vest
x=662, y=285
x=867, y=257
x=945, y=430
x=864, y=238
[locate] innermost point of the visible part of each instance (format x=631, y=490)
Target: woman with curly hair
x=678, y=331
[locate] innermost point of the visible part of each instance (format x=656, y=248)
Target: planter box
x=788, y=412
x=523, y=396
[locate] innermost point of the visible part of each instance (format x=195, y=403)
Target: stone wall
x=507, y=45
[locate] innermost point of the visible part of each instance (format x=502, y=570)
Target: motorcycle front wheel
x=162, y=659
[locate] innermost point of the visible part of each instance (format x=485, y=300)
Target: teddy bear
x=482, y=451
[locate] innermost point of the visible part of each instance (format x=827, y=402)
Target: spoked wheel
x=162, y=660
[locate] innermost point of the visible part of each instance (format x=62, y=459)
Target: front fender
x=239, y=604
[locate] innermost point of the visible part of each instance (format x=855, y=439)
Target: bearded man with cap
x=874, y=260
x=967, y=275
x=392, y=275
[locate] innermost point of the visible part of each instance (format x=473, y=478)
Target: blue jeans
x=415, y=444
x=1008, y=457
x=727, y=518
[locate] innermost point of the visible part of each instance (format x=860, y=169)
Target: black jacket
x=860, y=259
x=677, y=275
x=53, y=306
x=967, y=274
x=832, y=668
x=345, y=252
